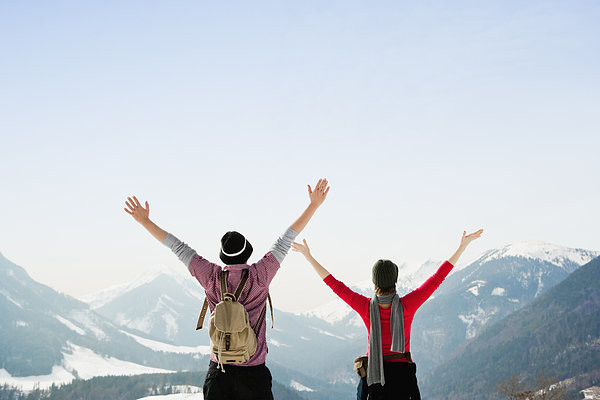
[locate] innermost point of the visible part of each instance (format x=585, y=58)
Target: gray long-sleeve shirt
x=185, y=253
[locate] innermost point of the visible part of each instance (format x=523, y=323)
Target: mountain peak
x=103, y=296
x=539, y=250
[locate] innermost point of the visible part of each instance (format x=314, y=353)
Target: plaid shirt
x=254, y=295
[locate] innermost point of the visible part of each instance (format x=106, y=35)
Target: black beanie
x=235, y=249
x=385, y=274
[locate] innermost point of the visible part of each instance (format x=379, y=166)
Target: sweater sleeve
x=282, y=244
x=413, y=300
x=356, y=301
x=184, y=252
x=201, y=268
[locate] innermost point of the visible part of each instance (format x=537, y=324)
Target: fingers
x=130, y=205
x=327, y=190
x=309, y=190
x=147, y=207
x=137, y=202
x=297, y=247
x=128, y=212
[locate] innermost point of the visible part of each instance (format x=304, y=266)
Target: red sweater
x=410, y=303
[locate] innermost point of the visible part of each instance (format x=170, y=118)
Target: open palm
x=135, y=209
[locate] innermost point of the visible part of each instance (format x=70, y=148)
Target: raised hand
x=464, y=242
x=467, y=239
x=318, y=195
x=135, y=209
x=302, y=249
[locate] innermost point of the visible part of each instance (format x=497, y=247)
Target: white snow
x=328, y=333
x=476, y=320
x=70, y=325
x=498, y=291
x=104, y=296
x=88, y=364
x=475, y=289
x=163, y=311
x=5, y=294
x=178, y=396
x=544, y=251
x=332, y=312
x=180, y=392
x=540, y=284
x=86, y=319
x=591, y=393
x=300, y=387
x=58, y=376
x=81, y=361
x=277, y=343
x=168, y=348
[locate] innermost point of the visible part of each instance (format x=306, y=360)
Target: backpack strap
x=202, y=315
x=262, y=312
x=271, y=308
x=223, y=279
x=241, y=285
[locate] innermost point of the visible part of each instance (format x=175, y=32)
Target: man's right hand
x=139, y=213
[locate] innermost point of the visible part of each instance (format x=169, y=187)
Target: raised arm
x=305, y=251
x=142, y=215
x=316, y=197
x=464, y=242
x=356, y=301
x=413, y=300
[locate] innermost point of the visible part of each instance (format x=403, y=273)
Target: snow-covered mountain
x=162, y=305
x=47, y=337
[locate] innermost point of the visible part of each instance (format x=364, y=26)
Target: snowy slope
x=78, y=362
x=104, y=296
x=565, y=257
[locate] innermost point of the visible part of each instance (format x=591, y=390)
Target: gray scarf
x=375, y=364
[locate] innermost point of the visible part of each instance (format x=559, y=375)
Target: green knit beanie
x=385, y=273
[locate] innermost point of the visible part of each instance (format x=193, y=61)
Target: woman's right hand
x=301, y=248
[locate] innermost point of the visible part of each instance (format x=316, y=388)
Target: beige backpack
x=232, y=338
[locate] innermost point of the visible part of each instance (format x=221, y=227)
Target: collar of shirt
x=236, y=267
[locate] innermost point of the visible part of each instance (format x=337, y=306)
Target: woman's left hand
x=467, y=239
x=301, y=248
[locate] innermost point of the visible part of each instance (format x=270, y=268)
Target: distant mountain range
x=558, y=334
x=150, y=323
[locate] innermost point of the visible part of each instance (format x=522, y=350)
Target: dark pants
x=238, y=383
x=400, y=384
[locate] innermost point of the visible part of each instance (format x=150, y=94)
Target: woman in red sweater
x=388, y=318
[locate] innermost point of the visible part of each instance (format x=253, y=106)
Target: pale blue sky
x=427, y=118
